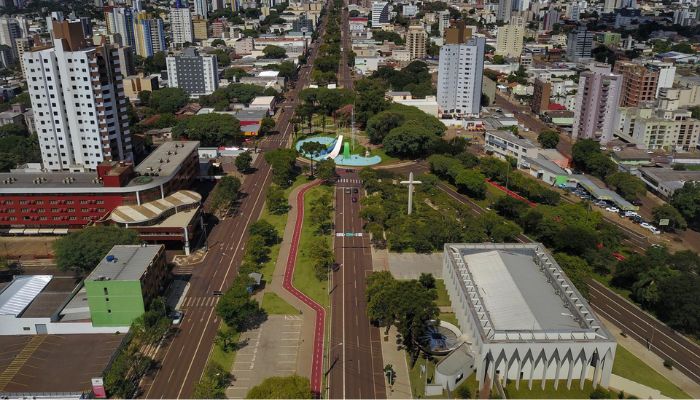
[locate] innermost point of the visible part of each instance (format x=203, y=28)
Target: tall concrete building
x=10, y=31
x=551, y=18
x=639, y=83
x=380, y=13
x=597, y=101
x=149, y=35
x=180, y=24
x=443, y=21
x=201, y=8
x=416, y=38
x=23, y=46
x=78, y=101
x=505, y=8
x=200, y=28
x=120, y=20
x=460, y=71
x=579, y=44
x=542, y=90
x=509, y=39
x=197, y=75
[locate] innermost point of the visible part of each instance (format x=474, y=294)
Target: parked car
x=176, y=316
x=646, y=225
x=630, y=214
x=655, y=230
x=637, y=219
x=612, y=209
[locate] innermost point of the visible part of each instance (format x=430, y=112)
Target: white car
x=631, y=214
x=616, y=148
x=646, y=225
x=612, y=209
x=655, y=230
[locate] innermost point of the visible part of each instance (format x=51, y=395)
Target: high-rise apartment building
x=201, y=8
x=120, y=20
x=597, y=101
x=505, y=8
x=200, y=28
x=443, y=21
x=78, y=101
x=180, y=24
x=460, y=71
x=380, y=13
x=579, y=44
x=10, y=31
x=551, y=18
x=416, y=38
x=23, y=46
x=639, y=83
x=655, y=128
x=542, y=90
x=509, y=39
x=149, y=35
x=195, y=74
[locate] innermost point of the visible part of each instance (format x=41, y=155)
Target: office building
x=380, y=13
x=201, y=8
x=180, y=25
x=149, y=35
x=460, y=71
x=597, y=101
x=509, y=39
x=120, y=20
x=639, y=83
x=78, y=102
x=521, y=319
x=416, y=38
x=579, y=44
x=125, y=281
x=505, y=8
x=197, y=75
x=539, y=102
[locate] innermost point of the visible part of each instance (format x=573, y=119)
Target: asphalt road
x=641, y=326
x=356, y=367
x=182, y=360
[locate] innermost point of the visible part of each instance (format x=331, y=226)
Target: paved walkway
x=391, y=354
x=654, y=361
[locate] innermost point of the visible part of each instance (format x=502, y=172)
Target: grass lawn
x=273, y=304
x=627, y=365
x=219, y=356
x=548, y=393
x=304, y=277
x=449, y=317
x=418, y=380
x=279, y=222
x=443, y=299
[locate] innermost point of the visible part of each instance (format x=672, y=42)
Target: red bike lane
x=317, y=360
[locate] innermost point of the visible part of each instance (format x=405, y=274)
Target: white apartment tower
x=78, y=101
x=201, y=8
x=509, y=40
x=10, y=31
x=597, y=101
x=443, y=20
x=181, y=24
x=460, y=72
x=380, y=13
x=505, y=7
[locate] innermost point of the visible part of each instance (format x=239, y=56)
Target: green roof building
x=124, y=283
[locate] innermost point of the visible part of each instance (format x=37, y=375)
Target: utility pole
x=410, y=182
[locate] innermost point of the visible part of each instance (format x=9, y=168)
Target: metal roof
x=602, y=193
x=137, y=214
x=125, y=263
x=21, y=292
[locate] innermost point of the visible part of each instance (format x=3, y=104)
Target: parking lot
x=54, y=363
x=270, y=350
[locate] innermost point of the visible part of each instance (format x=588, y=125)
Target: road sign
x=349, y=234
x=339, y=234
x=664, y=222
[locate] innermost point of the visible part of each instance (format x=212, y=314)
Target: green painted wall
x=122, y=303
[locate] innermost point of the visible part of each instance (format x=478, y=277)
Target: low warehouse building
x=523, y=318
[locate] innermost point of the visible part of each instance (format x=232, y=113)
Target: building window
x=106, y=291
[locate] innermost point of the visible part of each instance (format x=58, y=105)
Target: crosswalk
x=349, y=180
x=196, y=301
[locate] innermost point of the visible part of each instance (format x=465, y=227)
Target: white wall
x=9, y=325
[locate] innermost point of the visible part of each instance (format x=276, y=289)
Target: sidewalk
x=677, y=378
x=397, y=358
x=304, y=359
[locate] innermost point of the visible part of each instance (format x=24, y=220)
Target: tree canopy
x=283, y=166
x=271, y=51
x=168, y=100
x=82, y=250
x=687, y=201
x=225, y=193
x=210, y=129
x=627, y=185
x=548, y=139
x=243, y=161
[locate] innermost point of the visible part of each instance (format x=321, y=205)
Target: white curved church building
x=523, y=318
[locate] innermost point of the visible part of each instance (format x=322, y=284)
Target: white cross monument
x=410, y=182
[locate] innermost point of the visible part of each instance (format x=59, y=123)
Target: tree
x=218, y=42
x=323, y=258
x=471, y=182
x=237, y=309
x=210, y=129
x=257, y=252
x=282, y=162
x=628, y=186
x=381, y=124
x=168, y=100
x=498, y=59
x=687, y=201
x=548, y=139
x=427, y=280
x=271, y=51
x=409, y=141
x=287, y=387
x=276, y=201
x=81, y=251
x=267, y=125
x=225, y=193
x=155, y=64
x=243, y=161
x=325, y=169
x=15, y=150
x=213, y=383
x=311, y=150
x=369, y=99
x=667, y=211
x=13, y=130
x=234, y=74
x=265, y=230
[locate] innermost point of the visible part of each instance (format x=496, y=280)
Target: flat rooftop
x=125, y=262
x=518, y=291
x=166, y=158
